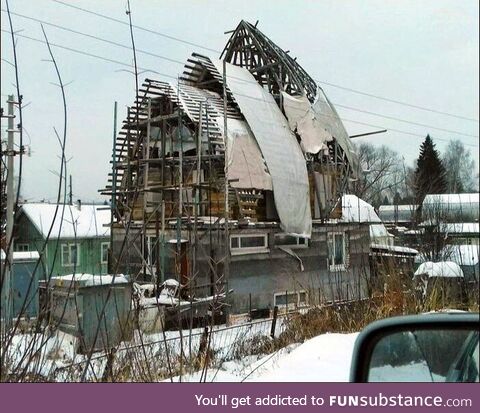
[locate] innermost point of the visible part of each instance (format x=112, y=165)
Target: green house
x=79, y=237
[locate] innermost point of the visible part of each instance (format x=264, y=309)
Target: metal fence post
x=274, y=321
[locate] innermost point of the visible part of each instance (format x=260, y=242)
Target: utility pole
x=70, y=193
x=114, y=187
x=7, y=276
x=226, y=265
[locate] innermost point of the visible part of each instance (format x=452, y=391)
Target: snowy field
x=325, y=358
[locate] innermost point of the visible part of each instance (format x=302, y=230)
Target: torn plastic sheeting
x=302, y=118
x=284, y=158
x=246, y=167
x=326, y=114
x=317, y=124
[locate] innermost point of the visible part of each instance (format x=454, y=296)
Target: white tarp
x=246, y=167
x=284, y=158
x=302, y=119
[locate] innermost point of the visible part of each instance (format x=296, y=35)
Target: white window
x=291, y=299
x=70, y=255
x=248, y=243
x=290, y=241
x=104, y=246
x=22, y=247
x=337, y=251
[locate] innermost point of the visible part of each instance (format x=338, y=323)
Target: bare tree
x=383, y=176
x=460, y=167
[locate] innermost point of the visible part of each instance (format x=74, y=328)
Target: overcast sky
x=425, y=53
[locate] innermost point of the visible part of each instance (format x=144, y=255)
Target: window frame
x=69, y=245
x=289, y=306
x=249, y=250
x=102, y=245
x=331, y=253
x=293, y=246
x=20, y=247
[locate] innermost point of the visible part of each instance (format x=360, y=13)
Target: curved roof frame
x=270, y=65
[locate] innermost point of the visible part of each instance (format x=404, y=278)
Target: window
x=291, y=299
x=290, y=241
x=337, y=251
x=22, y=247
x=104, y=246
x=70, y=255
x=248, y=243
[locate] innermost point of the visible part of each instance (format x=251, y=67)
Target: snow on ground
x=417, y=372
x=326, y=357
x=323, y=358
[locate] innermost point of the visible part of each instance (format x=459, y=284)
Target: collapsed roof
x=282, y=132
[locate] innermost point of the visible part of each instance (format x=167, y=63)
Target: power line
x=177, y=39
x=71, y=49
x=81, y=52
x=182, y=64
x=404, y=120
x=91, y=36
x=401, y=131
x=398, y=102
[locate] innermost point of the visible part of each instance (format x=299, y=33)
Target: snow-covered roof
x=389, y=208
x=461, y=228
x=355, y=209
x=462, y=254
x=451, y=207
x=395, y=248
x=88, y=221
x=447, y=269
x=379, y=231
x=22, y=255
x=451, y=199
x=397, y=213
x=88, y=280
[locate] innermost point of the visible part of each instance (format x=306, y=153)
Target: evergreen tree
x=430, y=175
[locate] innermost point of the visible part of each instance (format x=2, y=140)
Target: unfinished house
x=231, y=179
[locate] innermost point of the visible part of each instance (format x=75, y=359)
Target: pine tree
x=430, y=175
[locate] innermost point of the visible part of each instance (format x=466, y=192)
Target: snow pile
x=446, y=269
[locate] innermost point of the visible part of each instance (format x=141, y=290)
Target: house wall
x=90, y=250
x=90, y=256
x=256, y=278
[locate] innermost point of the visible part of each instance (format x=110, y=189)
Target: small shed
x=93, y=308
x=27, y=271
x=441, y=283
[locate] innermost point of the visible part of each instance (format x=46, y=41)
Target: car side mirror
x=437, y=347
